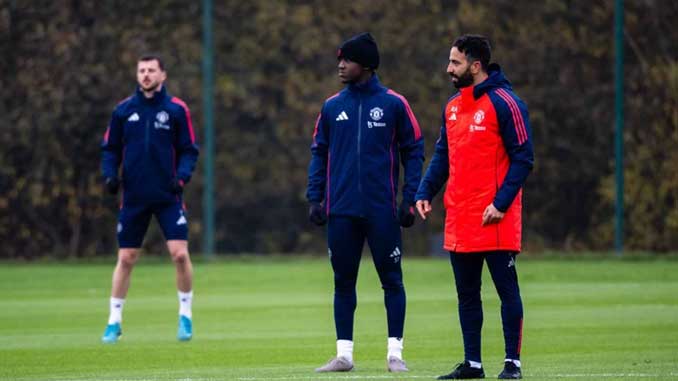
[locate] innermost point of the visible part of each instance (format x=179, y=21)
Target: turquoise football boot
x=112, y=333
x=185, y=331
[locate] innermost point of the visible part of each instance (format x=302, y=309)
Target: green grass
x=259, y=319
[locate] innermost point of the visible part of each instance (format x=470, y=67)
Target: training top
x=360, y=136
x=154, y=140
x=485, y=154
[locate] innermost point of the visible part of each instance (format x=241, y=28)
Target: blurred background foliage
x=65, y=64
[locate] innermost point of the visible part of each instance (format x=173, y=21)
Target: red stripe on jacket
x=108, y=129
x=125, y=100
x=518, y=121
x=317, y=121
x=188, y=117
x=390, y=154
x=327, y=201
x=315, y=130
x=413, y=120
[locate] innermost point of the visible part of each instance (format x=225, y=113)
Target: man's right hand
x=424, y=208
x=112, y=184
x=177, y=186
x=316, y=214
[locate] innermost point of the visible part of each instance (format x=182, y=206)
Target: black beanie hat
x=361, y=49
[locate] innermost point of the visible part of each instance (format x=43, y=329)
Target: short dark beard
x=465, y=80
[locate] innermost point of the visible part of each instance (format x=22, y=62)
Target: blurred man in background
x=485, y=154
x=152, y=136
x=361, y=134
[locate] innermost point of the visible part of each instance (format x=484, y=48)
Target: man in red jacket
x=485, y=154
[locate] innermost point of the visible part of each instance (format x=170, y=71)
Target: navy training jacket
x=154, y=140
x=359, y=135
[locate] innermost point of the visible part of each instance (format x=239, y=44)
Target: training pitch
x=271, y=319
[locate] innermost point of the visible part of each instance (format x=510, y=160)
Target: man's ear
x=476, y=67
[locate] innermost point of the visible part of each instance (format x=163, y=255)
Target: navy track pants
x=468, y=268
x=346, y=237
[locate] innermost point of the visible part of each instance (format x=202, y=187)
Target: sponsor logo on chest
x=376, y=114
x=161, y=120
x=478, y=118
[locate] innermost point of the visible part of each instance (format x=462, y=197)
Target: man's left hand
x=492, y=215
x=406, y=214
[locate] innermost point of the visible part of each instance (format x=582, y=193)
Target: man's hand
x=491, y=215
x=406, y=214
x=316, y=214
x=424, y=208
x=177, y=186
x=112, y=184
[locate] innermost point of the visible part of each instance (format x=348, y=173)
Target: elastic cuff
x=503, y=210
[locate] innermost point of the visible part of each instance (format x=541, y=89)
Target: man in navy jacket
x=152, y=136
x=360, y=136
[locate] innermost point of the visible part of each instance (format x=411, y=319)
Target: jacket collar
x=495, y=80
x=158, y=96
x=371, y=86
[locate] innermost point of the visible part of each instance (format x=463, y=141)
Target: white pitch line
x=368, y=377
x=355, y=377
x=611, y=375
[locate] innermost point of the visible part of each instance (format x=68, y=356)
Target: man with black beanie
x=360, y=136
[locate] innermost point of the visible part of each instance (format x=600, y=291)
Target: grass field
x=271, y=319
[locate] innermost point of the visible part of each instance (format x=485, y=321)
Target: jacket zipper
x=147, y=132
x=496, y=189
x=360, y=118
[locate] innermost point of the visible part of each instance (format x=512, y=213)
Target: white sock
x=395, y=347
x=185, y=302
x=475, y=364
x=515, y=362
x=115, y=315
x=345, y=349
